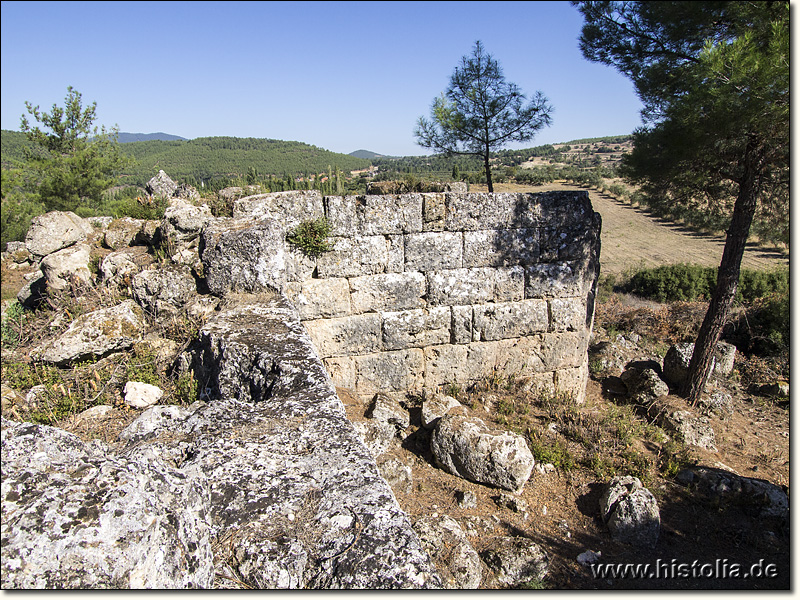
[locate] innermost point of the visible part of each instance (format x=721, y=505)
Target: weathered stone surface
x=353, y=335
x=567, y=314
x=118, y=268
x=631, y=512
x=397, y=474
x=501, y=248
x=644, y=385
x=123, y=232
x=475, y=286
x=515, y=561
x=435, y=407
x=447, y=544
x=67, y=266
x=354, y=256
x=757, y=496
x=398, y=371
x=96, y=334
x=433, y=251
x=719, y=404
x=506, y=320
x=387, y=291
x=466, y=447
x=678, y=357
x=548, y=280
x=416, y=328
x=388, y=214
x=244, y=255
x=378, y=436
x=77, y=516
x=55, y=230
x=384, y=408
x=320, y=298
x=725, y=356
x=693, y=429
x=184, y=221
x=475, y=212
x=142, y=395
x=289, y=208
x=161, y=186
x=165, y=290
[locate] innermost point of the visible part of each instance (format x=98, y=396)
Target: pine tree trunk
x=488, y=171
x=727, y=281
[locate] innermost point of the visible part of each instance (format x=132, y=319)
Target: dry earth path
x=632, y=238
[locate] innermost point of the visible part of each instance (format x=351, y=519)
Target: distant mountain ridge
x=125, y=138
x=367, y=154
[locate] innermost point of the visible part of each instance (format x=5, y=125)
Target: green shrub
x=311, y=237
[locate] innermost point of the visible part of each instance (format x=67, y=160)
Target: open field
x=633, y=238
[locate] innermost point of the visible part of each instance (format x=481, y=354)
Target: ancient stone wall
x=421, y=291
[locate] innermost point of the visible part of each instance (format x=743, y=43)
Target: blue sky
x=338, y=75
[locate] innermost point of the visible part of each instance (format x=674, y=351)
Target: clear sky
x=339, y=75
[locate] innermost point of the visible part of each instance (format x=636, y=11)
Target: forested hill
x=127, y=138
x=203, y=159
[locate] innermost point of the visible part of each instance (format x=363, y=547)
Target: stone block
x=289, y=208
x=562, y=350
x=320, y=298
x=517, y=357
x=354, y=256
x=345, y=336
x=433, y=212
x=474, y=212
x=396, y=248
x=433, y=251
x=562, y=209
x=572, y=243
x=475, y=286
x=567, y=314
x=553, y=280
x=445, y=364
x=342, y=370
x=506, y=320
x=416, y=328
x=461, y=326
x=398, y=371
x=342, y=215
x=500, y=248
x=572, y=382
x=387, y=291
x=391, y=214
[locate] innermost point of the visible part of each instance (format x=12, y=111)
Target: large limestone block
x=515, y=561
x=416, y=328
x=466, y=447
x=354, y=256
x=164, y=291
x=391, y=214
x=475, y=286
x=563, y=209
x=568, y=314
x=320, y=298
x=184, y=221
x=448, y=545
x=562, y=350
x=501, y=247
x=445, y=364
x=96, y=334
x=161, y=186
x=244, y=255
x=123, y=232
x=506, y=320
x=631, y=512
x=433, y=251
x=397, y=371
x=475, y=212
x=289, y=208
x=66, y=266
x=388, y=291
x=76, y=516
x=345, y=336
x=55, y=230
x=553, y=280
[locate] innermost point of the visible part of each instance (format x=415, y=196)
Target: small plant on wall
x=311, y=237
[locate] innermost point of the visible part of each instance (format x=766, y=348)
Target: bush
x=311, y=237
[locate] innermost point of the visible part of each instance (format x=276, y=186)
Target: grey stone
x=512, y=503
x=96, y=334
x=631, y=512
x=475, y=286
x=435, y=407
x=384, y=408
x=290, y=208
x=142, y=395
x=184, y=221
x=515, y=561
x=718, y=403
x=55, y=230
x=466, y=499
x=378, y=436
x=397, y=474
x=416, y=328
x=118, y=268
x=320, y=298
x=244, y=255
x=66, y=267
x=165, y=290
x=356, y=334
x=161, y=186
x=433, y=251
x=758, y=497
x=503, y=320
x=354, y=256
x=387, y=292
x=123, y=232
x=644, y=385
x=447, y=544
x=466, y=447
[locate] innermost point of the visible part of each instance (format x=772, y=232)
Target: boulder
x=515, y=561
x=142, y=395
x=673, y=415
x=446, y=543
x=244, y=255
x=32, y=293
x=161, y=186
x=631, y=512
x=184, y=221
x=67, y=266
x=76, y=516
x=55, y=230
x=435, y=407
x=644, y=385
x=466, y=447
x=378, y=436
x=396, y=473
x=95, y=334
x=384, y=408
x=124, y=232
x=118, y=268
x=164, y=290
x=678, y=357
